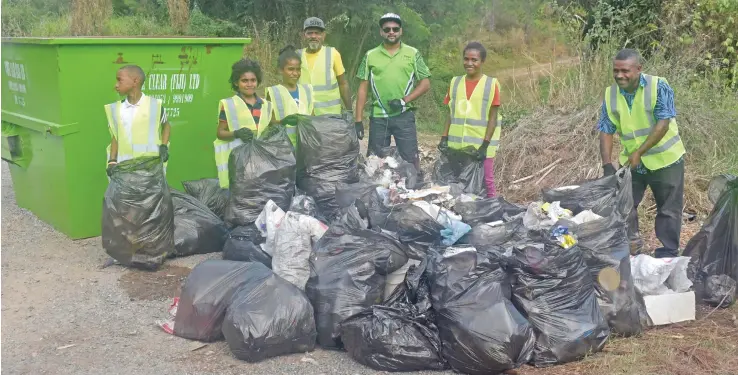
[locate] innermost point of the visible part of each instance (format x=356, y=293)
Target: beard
x=314, y=46
x=388, y=41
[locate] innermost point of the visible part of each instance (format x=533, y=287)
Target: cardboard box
x=670, y=308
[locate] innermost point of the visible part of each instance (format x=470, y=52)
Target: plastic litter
x=714, y=249
x=293, y=243
x=267, y=222
x=720, y=291
x=259, y=171
x=303, y=204
x=554, y=289
x=654, y=276
x=486, y=210
x=543, y=215
x=197, y=230
x=243, y=245
x=481, y=331
x=599, y=196
x=388, y=168
x=268, y=317
x=206, y=294
x=138, y=214
x=460, y=168
x=349, y=265
x=328, y=153
x=208, y=191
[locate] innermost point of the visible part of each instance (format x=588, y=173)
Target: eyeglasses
x=392, y=29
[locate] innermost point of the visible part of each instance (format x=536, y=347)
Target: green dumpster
x=54, y=129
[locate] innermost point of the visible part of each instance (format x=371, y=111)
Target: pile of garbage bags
x=138, y=214
x=461, y=170
x=209, y=192
x=197, y=230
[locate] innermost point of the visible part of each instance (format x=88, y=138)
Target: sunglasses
x=392, y=29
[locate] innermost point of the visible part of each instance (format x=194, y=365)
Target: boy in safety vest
x=473, y=101
x=290, y=97
x=138, y=124
x=640, y=108
x=242, y=116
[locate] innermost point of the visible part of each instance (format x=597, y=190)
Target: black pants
x=402, y=127
x=667, y=185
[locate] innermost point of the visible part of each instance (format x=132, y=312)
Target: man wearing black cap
x=323, y=68
x=397, y=76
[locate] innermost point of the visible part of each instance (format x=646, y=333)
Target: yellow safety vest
x=238, y=116
x=635, y=125
x=326, y=94
x=145, y=136
x=469, y=117
x=285, y=105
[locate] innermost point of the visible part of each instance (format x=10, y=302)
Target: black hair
x=286, y=54
x=477, y=47
x=627, y=54
x=242, y=66
x=136, y=71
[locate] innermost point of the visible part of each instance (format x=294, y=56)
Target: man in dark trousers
x=640, y=108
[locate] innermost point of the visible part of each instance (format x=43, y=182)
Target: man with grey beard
x=322, y=68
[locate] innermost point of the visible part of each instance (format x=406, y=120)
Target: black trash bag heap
x=606, y=247
x=481, y=331
x=207, y=293
x=208, y=191
x=348, y=271
x=400, y=334
x=138, y=214
x=197, y=230
x=714, y=249
x=461, y=170
x=357, y=194
x=258, y=171
x=553, y=288
x=242, y=245
x=411, y=224
x=487, y=237
x=268, y=317
x=486, y=210
x=328, y=153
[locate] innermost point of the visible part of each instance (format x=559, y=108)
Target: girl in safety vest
x=242, y=117
x=473, y=101
x=290, y=97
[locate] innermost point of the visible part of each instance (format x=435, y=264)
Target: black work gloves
x=359, y=129
x=443, y=145
x=163, y=153
x=244, y=134
x=111, y=167
x=609, y=169
x=482, y=151
x=397, y=105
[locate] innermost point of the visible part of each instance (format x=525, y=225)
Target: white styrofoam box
x=670, y=308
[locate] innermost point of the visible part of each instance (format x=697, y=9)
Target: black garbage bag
x=303, y=204
x=258, y=171
x=486, y=210
x=481, y=330
x=714, y=249
x=243, y=245
x=206, y=294
x=197, y=230
x=267, y=318
x=413, y=226
x=554, y=290
x=328, y=153
x=461, y=167
x=720, y=291
x=208, y=191
x=138, y=214
x=392, y=339
x=356, y=194
x=486, y=237
x=596, y=195
x=348, y=269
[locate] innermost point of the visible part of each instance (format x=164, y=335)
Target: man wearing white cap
x=322, y=68
x=398, y=76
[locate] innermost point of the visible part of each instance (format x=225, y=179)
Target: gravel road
x=61, y=314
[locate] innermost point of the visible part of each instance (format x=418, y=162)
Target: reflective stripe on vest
x=236, y=119
x=326, y=94
x=469, y=128
x=136, y=144
x=635, y=124
x=284, y=103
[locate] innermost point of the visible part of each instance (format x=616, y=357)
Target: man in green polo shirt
x=397, y=76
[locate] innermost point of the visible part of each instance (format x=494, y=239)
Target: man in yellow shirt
x=323, y=68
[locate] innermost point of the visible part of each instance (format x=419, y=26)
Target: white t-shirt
x=128, y=112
